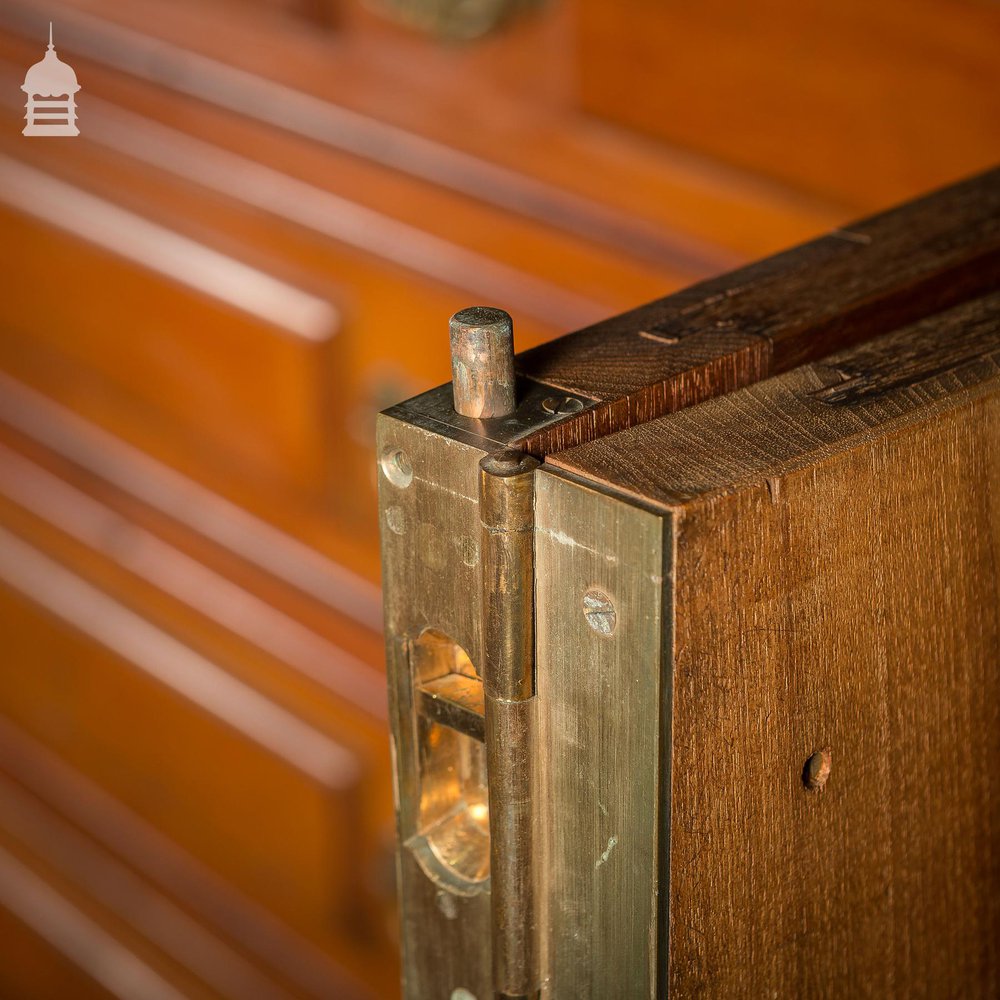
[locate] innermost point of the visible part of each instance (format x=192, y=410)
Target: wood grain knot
x=817, y=770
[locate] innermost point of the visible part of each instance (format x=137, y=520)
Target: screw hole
x=817, y=770
x=396, y=467
x=562, y=405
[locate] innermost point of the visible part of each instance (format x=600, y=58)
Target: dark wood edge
x=754, y=437
x=847, y=287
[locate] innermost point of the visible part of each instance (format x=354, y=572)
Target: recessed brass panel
x=602, y=674
x=429, y=506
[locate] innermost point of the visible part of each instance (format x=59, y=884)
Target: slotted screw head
x=600, y=612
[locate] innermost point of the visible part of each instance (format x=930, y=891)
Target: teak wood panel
x=835, y=588
x=105, y=950
x=296, y=559
x=36, y=969
x=468, y=119
x=123, y=904
x=132, y=348
x=313, y=674
x=863, y=618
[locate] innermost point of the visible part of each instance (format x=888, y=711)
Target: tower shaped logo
x=51, y=88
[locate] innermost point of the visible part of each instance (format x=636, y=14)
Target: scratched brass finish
x=482, y=362
x=437, y=596
x=506, y=501
x=523, y=637
x=499, y=896
x=431, y=576
x=603, y=701
x=434, y=410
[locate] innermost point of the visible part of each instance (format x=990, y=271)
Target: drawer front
x=240, y=783
x=164, y=339
x=34, y=968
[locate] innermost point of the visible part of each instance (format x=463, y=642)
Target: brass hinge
x=506, y=507
x=456, y=506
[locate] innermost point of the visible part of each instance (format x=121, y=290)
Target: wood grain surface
x=790, y=420
x=835, y=591
x=733, y=330
x=851, y=604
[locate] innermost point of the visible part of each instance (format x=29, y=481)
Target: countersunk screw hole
x=600, y=612
x=396, y=467
x=562, y=405
x=817, y=770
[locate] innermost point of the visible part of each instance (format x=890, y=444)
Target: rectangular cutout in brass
x=455, y=701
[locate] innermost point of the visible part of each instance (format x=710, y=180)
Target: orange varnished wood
x=862, y=104
x=166, y=723
x=52, y=797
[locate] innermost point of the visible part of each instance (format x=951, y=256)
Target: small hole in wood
x=816, y=773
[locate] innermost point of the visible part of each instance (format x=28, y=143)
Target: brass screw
x=561, y=405
x=396, y=467
x=599, y=611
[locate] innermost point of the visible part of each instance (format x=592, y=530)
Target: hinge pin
x=506, y=506
x=482, y=362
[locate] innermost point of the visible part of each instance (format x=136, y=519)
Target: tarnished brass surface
x=482, y=362
x=528, y=863
x=512, y=765
x=452, y=19
x=434, y=411
x=429, y=506
x=603, y=733
x=506, y=502
x=506, y=506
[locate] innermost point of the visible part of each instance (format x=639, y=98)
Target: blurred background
x=254, y=245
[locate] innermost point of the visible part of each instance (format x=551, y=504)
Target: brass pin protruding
x=482, y=362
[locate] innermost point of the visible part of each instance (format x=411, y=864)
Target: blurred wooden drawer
x=866, y=104
x=139, y=326
x=262, y=797
x=33, y=968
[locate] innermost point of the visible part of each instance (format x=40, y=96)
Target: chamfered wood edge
x=719, y=335
x=763, y=431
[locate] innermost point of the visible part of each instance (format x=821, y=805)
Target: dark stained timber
x=842, y=289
